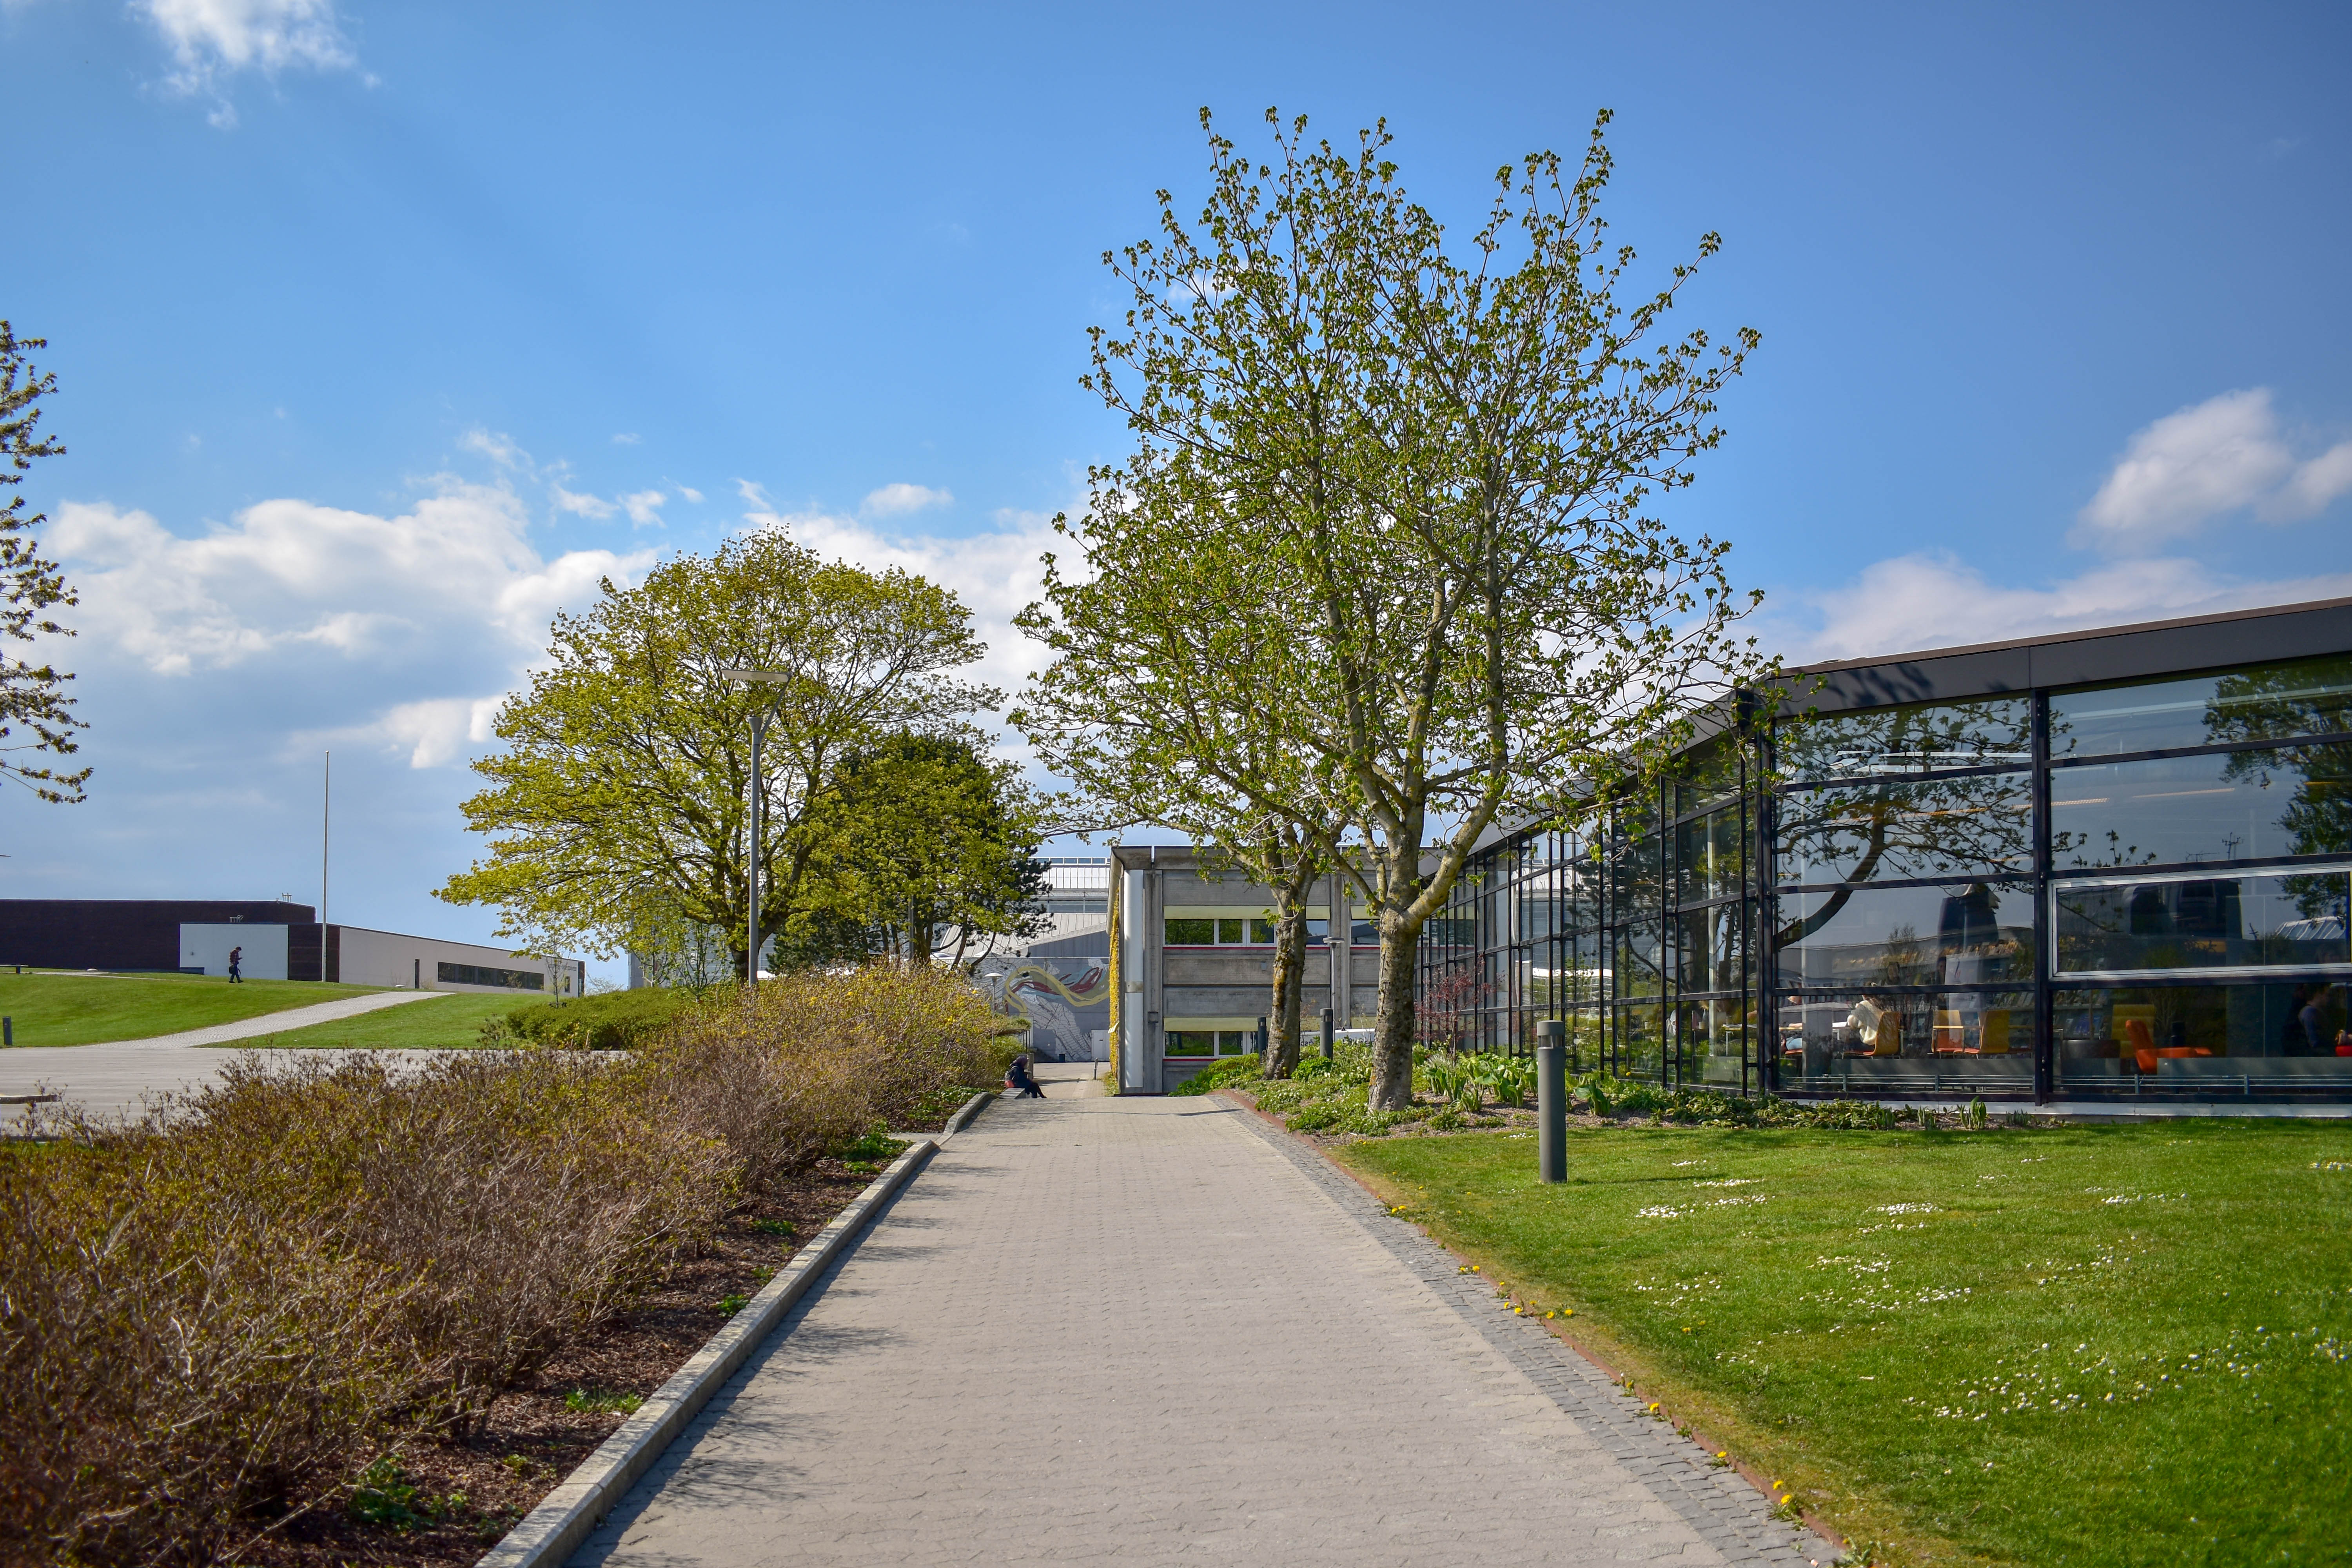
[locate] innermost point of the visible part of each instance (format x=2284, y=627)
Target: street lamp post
x=760, y=717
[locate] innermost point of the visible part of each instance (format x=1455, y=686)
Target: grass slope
x=2089, y=1345
x=453, y=1019
x=68, y=1009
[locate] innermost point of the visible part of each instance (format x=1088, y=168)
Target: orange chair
x=2142, y=1041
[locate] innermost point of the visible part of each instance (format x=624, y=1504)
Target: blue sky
x=384, y=330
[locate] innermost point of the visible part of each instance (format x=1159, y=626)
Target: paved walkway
x=117, y=1076
x=1153, y=1331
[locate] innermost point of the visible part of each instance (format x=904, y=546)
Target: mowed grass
x=68, y=1009
x=437, y=1021
x=2095, y=1345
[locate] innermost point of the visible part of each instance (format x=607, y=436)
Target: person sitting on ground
x=1019, y=1077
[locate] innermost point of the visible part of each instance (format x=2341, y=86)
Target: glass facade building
x=2110, y=864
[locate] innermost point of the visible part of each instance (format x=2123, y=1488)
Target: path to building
x=115, y=1076
x=1154, y=1331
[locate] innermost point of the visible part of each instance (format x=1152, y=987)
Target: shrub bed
x=215, y=1318
x=1471, y=1091
x=616, y=1021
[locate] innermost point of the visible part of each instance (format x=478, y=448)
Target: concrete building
x=355, y=955
x=1192, y=953
x=1077, y=903
x=123, y=933
x=278, y=940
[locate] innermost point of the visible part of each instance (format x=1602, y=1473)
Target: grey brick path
x=1145, y=1330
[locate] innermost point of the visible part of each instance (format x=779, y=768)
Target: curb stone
x=1723, y=1506
x=567, y=1516
x=971, y=1108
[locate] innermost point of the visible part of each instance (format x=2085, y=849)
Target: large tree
x=31, y=696
x=1446, y=461
x=618, y=808
x=922, y=846
x=1146, y=704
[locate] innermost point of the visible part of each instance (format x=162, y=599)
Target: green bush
x=616, y=1021
x=1230, y=1069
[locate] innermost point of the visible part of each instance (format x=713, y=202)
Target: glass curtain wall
x=1638, y=935
x=1902, y=914
x=2200, y=864
x=2141, y=889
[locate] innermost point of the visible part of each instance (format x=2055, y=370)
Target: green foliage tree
x=1432, y=477
x=922, y=845
x=617, y=808
x=31, y=696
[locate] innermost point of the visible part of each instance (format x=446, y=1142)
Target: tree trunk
x=1392, y=1030
x=1290, y=985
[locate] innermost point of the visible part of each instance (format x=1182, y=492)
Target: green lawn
x=2126, y=1344
x=453, y=1019
x=70, y=1009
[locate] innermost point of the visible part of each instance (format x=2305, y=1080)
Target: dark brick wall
x=121, y=934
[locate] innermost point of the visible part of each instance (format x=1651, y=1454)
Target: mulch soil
x=470, y=1492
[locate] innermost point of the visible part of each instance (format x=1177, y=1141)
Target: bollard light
x=1551, y=1100
x=1327, y=1034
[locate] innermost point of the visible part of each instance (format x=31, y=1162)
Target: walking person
x=236, y=956
x=1018, y=1076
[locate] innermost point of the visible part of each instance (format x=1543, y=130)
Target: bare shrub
x=804, y=1064
x=205, y=1311
x=177, y=1359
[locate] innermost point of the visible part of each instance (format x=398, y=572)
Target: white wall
x=208, y=945
x=376, y=958
x=387, y=958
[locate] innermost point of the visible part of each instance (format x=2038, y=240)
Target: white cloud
x=691, y=493
x=996, y=575
x=583, y=506
x=897, y=500
x=498, y=447
x=625, y=438
x=1933, y=600
x=451, y=595
x=211, y=41
x=2316, y=483
x=2222, y=456
x=643, y=508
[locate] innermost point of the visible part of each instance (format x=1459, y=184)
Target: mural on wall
x=1066, y=1000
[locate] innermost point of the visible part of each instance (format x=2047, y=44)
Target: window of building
x=2260, y=702
x=1219, y=931
x=1204, y=1044
x=478, y=975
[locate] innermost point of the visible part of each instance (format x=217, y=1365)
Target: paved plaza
x=119, y=1077
x=1155, y=1330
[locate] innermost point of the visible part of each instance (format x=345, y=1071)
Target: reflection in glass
x=2273, y=1030
x=2190, y=923
x=2267, y=701
x=1921, y=739
x=1711, y=947
x=1891, y=832
x=1960, y=935
x=1707, y=858
x=1639, y=1051
x=1987, y=1034
x=1711, y=1043
x=1707, y=772
x=1638, y=959
x=2240, y=805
